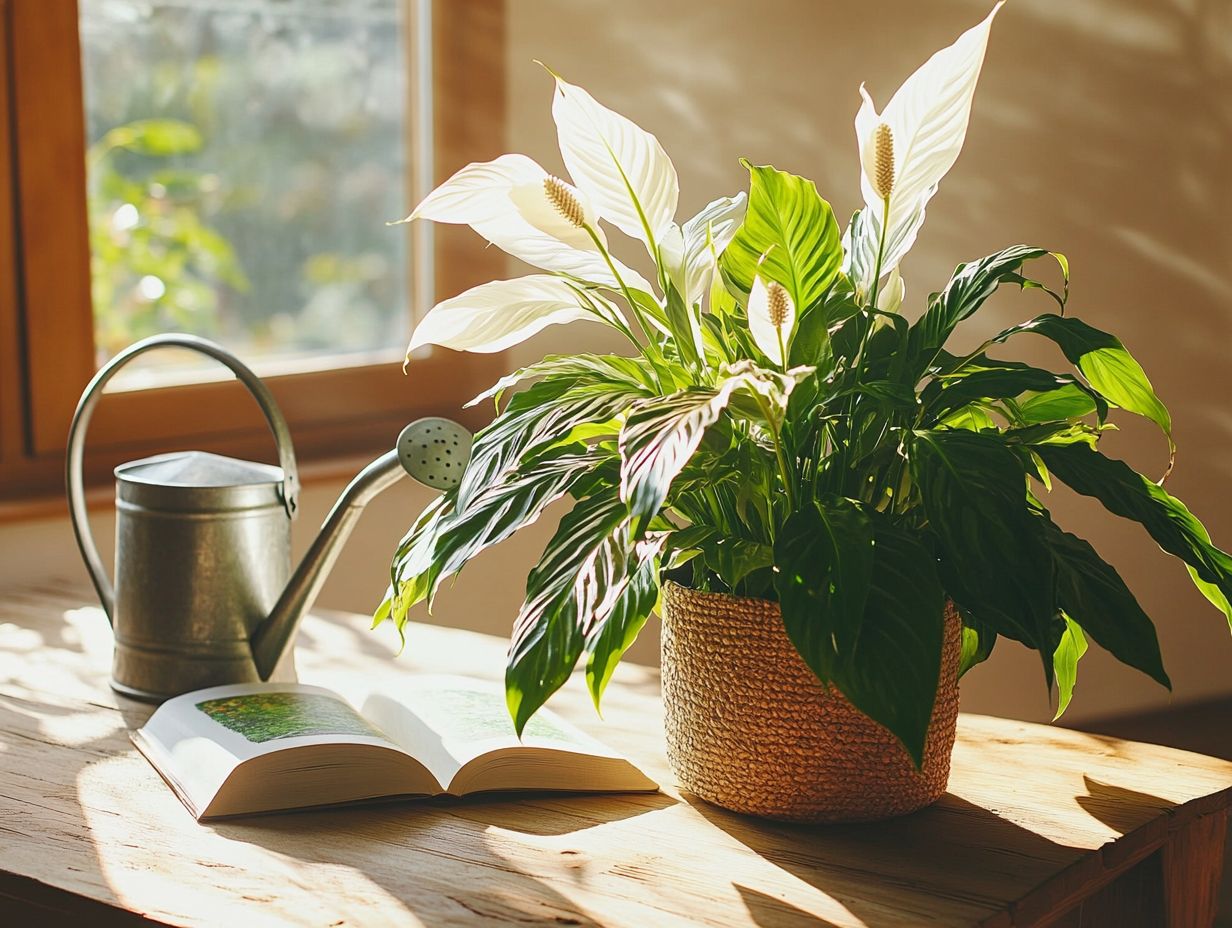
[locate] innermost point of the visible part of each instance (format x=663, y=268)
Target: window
x=243, y=156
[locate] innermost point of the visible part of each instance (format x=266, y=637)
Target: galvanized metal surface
x=204, y=593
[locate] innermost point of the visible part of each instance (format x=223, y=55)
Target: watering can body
x=202, y=555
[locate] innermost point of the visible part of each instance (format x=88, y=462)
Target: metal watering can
x=204, y=593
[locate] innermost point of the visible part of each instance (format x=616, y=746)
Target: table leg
x=1193, y=866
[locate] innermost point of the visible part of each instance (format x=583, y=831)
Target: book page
x=449, y=721
x=198, y=740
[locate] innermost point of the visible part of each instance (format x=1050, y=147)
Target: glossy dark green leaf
x=966, y=292
x=1105, y=363
x=1128, y=494
x=890, y=671
x=789, y=223
x=1093, y=594
x=733, y=559
x=824, y=555
x=944, y=395
x=993, y=560
x=811, y=343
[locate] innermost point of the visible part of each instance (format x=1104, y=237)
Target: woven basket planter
x=749, y=727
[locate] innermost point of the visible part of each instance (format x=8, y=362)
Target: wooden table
x=1042, y=826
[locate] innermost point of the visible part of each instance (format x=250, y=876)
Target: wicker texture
x=749, y=727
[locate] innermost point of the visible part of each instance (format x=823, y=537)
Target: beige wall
x=1102, y=128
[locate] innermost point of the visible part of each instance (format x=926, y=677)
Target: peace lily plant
x=778, y=430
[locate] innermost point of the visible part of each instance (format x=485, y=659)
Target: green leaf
x=1106, y=364
x=592, y=590
x=496, y=514
x=1091, y=592
x=538, y=418
x=1053, y=433
x=658, y=439
x=157, y=138
x=611, y=634
x=789, y=223
x=968, y=288
x=993, y=560
x=973, y=418
x=1070, y=401
x=686, y=331
x=1129, y=495
x=824, y=555
x=408, y=572
x=549, y=632
x=1065, y=663
x=733, y=559
x=623, y=373
x=811, y=343
x=892, y=669
x=978, y=640
x=946, y=394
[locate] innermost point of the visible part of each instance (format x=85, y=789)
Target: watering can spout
x=273, y=635
x=432, y=451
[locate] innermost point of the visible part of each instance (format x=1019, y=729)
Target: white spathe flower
x=706, y=236
x=620, y=166
x=922, y=129
x=497, y=315
x=508, y=202
x=772, y=316
x=890, y=296
x=690, y=254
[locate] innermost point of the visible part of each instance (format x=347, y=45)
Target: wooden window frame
x=46, y=319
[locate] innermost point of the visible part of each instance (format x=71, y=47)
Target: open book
x=263, y=747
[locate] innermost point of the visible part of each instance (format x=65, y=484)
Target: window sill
x=313, y=470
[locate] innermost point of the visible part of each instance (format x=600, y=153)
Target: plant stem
x=885, y=221
x=778, y=451
x=594, y=237
x=651, y=349
x=866, y=329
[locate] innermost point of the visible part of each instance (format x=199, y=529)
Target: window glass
x=243, y=159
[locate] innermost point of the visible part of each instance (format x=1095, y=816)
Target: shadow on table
x=444, y=858
x=766, y=910
x=1119, y=808
x=878, y=871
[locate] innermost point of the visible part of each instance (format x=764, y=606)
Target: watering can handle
x=85, y=409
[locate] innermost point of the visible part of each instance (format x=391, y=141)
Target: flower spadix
x=909, y=147
x=528, y=213
x=772, y=316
